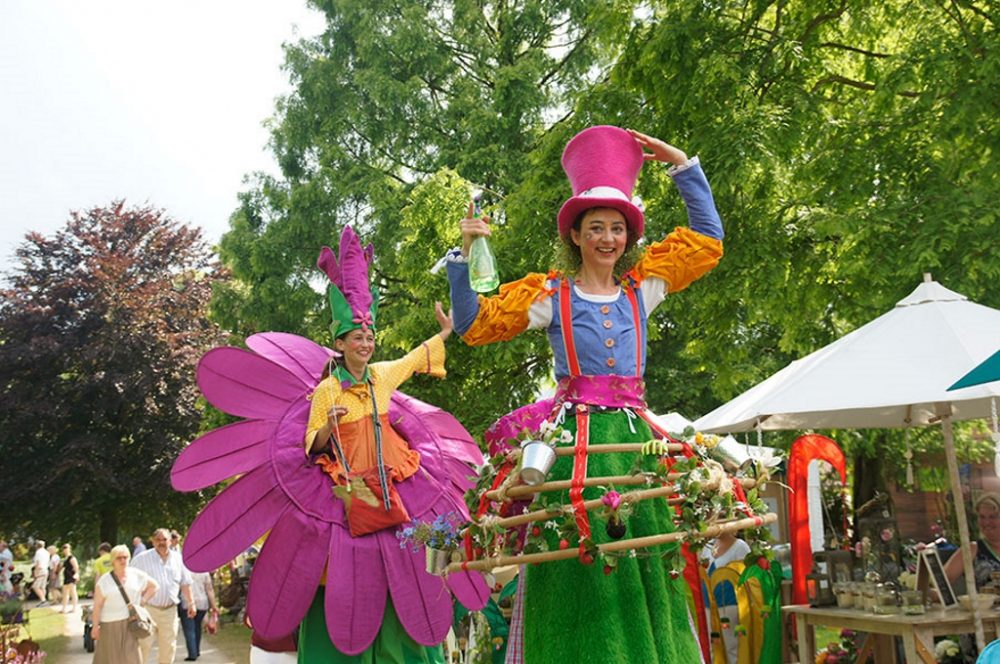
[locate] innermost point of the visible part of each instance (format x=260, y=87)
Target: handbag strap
x=118, y=583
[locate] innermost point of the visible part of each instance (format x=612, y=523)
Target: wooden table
x=917, y=632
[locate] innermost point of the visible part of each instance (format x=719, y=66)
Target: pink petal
x=430, y=429
x=302, y=480
x=356, y=589
x=287, y=574
x=354, y=272
x=220, y=454
x=470, y=589
x=234, y=520
x=421, y=600
x=244, y=384
x=328, y=263
x=302, y=357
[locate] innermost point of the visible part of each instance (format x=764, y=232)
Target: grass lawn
x=232, y=640
x=46, y=628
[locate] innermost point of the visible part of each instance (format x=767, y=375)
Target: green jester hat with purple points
x=353, y=302
x=277, y=491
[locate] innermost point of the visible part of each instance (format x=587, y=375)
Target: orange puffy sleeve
x=505, y=315
x=679, y=259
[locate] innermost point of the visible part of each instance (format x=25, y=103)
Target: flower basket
x=537, y=458
x=439, y=539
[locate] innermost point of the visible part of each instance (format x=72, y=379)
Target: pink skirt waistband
x=606, y=391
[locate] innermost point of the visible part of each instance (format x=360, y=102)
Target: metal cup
x=437, y=560
x=536, y=461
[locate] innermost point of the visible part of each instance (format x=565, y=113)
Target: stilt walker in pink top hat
x=595, y=318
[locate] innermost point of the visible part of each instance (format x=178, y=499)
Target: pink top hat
x=602, y=164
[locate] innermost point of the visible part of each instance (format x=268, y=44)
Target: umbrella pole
x=944, y=412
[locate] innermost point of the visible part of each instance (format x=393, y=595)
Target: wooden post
x=944, y=412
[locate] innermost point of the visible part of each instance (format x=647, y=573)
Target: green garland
x=706, y=490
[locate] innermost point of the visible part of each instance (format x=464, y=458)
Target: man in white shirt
x=165, y=566
x=40, y=572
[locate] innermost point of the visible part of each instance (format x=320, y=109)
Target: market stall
x=892, y=372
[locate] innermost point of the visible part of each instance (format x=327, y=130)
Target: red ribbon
x=580, y=473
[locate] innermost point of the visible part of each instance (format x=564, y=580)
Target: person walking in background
x=70, y=577
x=55, y=570
x=204, y=601
x=166, y=568
x=115, y=643
x=137, y=546
x=102, y=564
x=6, y=568
x=40, y=572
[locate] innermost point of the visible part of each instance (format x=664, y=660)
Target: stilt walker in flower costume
x=596, y=323
x=332, y=561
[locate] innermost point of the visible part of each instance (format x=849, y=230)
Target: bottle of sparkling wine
x=483, y=276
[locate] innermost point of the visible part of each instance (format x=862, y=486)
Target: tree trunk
x=109, y=525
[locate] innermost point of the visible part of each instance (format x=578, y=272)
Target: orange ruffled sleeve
x=679, y=259
x=505, y=315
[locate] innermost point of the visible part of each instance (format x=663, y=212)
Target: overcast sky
x=155, y=102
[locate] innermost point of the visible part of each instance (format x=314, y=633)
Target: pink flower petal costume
x=281, y=492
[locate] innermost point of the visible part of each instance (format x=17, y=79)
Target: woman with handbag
x=116, y=643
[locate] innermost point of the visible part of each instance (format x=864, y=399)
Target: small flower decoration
x=616, y=510
x=443, y=534
x=946, y=650
x=549, y=433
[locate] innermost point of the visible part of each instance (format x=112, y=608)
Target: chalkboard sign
x=929, y=568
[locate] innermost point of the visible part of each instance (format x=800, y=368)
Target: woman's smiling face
x=357, y=347
x=602, y=237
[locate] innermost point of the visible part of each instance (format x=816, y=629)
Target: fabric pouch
x=365, y=502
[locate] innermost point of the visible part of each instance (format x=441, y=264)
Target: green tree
x=100, y=330
x=395, y=95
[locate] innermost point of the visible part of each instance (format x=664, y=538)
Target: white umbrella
x=892, y=372
x=898, y=366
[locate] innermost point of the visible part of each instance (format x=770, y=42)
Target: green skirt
x=576, y=613
x=392, y=645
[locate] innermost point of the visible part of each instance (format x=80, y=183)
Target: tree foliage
x=395, y=95
x=100, y=329
x=851, y=144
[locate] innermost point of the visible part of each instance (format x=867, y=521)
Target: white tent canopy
x=892, y=369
